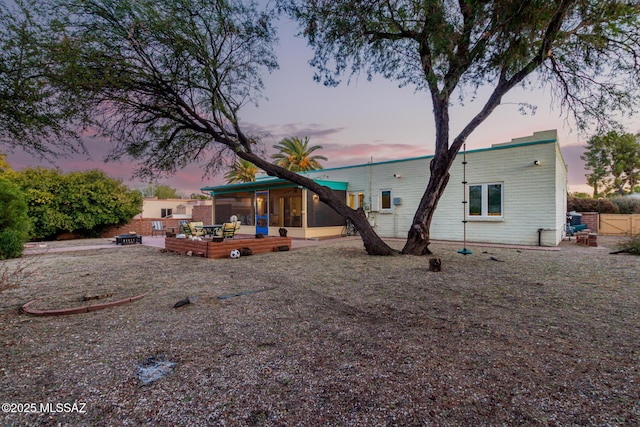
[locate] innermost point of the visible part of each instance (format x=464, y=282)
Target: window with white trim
x=485, y=200
x=385, y=200
x=356, y=199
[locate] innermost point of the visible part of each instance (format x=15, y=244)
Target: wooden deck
x=209, y=249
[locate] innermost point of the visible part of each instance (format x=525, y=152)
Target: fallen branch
x=243, y=293
x=621, y=251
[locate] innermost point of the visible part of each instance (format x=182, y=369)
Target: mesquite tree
x=585, y=51
x=165, y=81
x=35, y=114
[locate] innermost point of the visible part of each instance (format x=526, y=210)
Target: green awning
x=267, y=184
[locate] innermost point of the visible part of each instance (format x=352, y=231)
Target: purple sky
x=335, y=148
x=355, y=123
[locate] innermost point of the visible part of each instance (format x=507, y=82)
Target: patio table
x=210, y=230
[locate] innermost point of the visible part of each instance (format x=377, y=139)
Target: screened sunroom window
x=285, y=207
x=239, y=204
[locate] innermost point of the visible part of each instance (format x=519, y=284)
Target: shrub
x=83, y=203
x=14, y=220
x=11, y=244
x=631, y=245
x=591, y=205
x=627, y=205
x=13, y=273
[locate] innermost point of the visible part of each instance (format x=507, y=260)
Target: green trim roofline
x=477, y=150
x=269, y=183
x=272, y=182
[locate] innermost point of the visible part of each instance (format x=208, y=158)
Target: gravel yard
x=334, y=337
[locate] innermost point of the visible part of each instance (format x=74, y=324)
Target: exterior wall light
x=537, y=162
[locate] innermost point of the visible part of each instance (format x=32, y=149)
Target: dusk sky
x=355, y=123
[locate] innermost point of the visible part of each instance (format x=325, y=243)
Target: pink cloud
x=338, y=152
x=340, y=155
x=190, y=179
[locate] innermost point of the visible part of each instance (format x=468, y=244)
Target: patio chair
x=230, y=229
x=184, y=228
x=195, y=230
x=157, y=227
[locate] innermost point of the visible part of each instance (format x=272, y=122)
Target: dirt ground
x=326, y=336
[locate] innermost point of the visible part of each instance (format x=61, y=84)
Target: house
x=516, y=194
x=152, y=207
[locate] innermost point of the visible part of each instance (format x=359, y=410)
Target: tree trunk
x=418, y=237
x=435, y=264
x=372, y=242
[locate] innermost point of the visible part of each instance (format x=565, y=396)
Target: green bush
x=11, y=244
x=591, y=205
x=84, y=203
x=627, y=205
x=14, y=220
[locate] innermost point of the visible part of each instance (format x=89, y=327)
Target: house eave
x=269, y=184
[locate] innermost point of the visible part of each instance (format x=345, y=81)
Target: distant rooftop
x=542, y=136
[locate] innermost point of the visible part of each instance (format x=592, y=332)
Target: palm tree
x=241, y=171
x=295, y=154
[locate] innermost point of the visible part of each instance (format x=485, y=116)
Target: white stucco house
x=515, y=194
x=152, y=207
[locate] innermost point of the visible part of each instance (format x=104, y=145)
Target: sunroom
x=268, y=204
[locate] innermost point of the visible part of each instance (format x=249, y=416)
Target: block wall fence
x=143, y=226
x=591, y=219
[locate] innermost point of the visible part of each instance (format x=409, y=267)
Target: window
x=238, y=204
x=385, y=200
x=356, y=199
x=285, y=207
x=165, y=212
x=320, y=214
x=485, y=200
